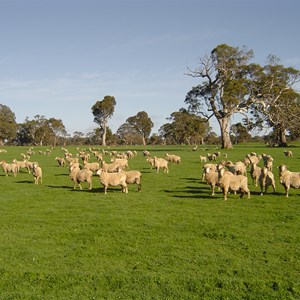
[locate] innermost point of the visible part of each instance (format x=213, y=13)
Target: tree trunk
x=282, y=137
x=144, y=141
x=104, y=136
x=225, y=135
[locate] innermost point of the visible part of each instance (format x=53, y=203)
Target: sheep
x=212, y=178
x=13, y=168
x=150, y=160
x=254, y=159
x=269, y=163
x=228, y=181
x=29, y=165
x=61, y=161
x=288, y=179
x=203, y=159
x=212, y=167
x=173, y=158
x=20, y=164
x=146, y=153
x=37, y=173
x=133, y=176
x=113, y=179
x=77, y=176
x=288, y=153
x=93, y=166
x=211, y=157
x=265, y=179
x=122, y=163
x=161, y=163
x=110, y=168
x=255, y=172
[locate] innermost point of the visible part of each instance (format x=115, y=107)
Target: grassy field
x=171, y=241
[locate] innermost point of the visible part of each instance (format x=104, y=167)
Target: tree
x=127, y=135
x=275, y=101
x=184, y=128
x=103, y=111
x=224, y=89
x=58, y=129
x=240, y=133
x=142, y=124
x=36, y=131
x=8, y=124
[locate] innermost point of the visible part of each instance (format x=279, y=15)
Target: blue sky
x=57, y=58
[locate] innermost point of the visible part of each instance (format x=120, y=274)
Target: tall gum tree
x=103, y=111
x=223, y=91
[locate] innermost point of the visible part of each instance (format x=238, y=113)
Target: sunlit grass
x=171, y=241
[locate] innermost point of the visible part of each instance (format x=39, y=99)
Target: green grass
x=171, y=241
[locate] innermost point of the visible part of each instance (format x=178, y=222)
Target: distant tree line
x=229, y=84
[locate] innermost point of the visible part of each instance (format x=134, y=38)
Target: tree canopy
x=103, y=111
x=8, y=124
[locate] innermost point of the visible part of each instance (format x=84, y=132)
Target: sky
x=58, y=57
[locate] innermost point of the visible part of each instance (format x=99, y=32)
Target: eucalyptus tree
x=142, y=124
x=184, y=128
x=103, y=111
x=276, y=102
x=223, y=90
x=58, y=128
x=8, y=124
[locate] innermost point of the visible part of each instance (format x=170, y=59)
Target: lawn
x=173, y=240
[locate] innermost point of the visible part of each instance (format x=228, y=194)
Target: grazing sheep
x=173, y=158
x=203, y=159
x=211, y=157
x=37, y=173
x=212, y=178
x=161, y=163
x=230, y=182
x=113, y=179
x=212, y=167
x=122, y=163
x=254, y=159
x=61, y=161
x=77, y=176
x=93, y=166
x=146, y=153
x=13, y=168
x=255, y=172
x=110, y=168
x=265, y=179
x=288, y=179
x=20, y=164
x=288, y=153
x=133, y=177
x=150, y=160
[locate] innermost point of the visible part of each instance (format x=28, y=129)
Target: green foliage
x=171, y=241
x=8, y=124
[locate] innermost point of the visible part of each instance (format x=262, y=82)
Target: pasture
x=173, y=240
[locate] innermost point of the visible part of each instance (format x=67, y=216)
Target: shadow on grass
x=25, y=181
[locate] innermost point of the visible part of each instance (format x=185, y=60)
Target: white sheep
x=20, y=164
x=288, y=179
x=203, y=159
x=173, y=158
x=122, y=163
x=77, y=176
x=7, y=168
x=150, y=160
x=266, y=178
x=211, y=166
x=110, y=167
x=61, y=161
x=133, y=177
x=288, y=153
x=93, y=166
x=230, y=182
x=212, y=178
x=161, y=163
x=113, y=179
x=255, y=172
x=37, y=173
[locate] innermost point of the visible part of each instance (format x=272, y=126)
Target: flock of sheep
x=87, y=163
x=232, y=177
x=228, y=176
